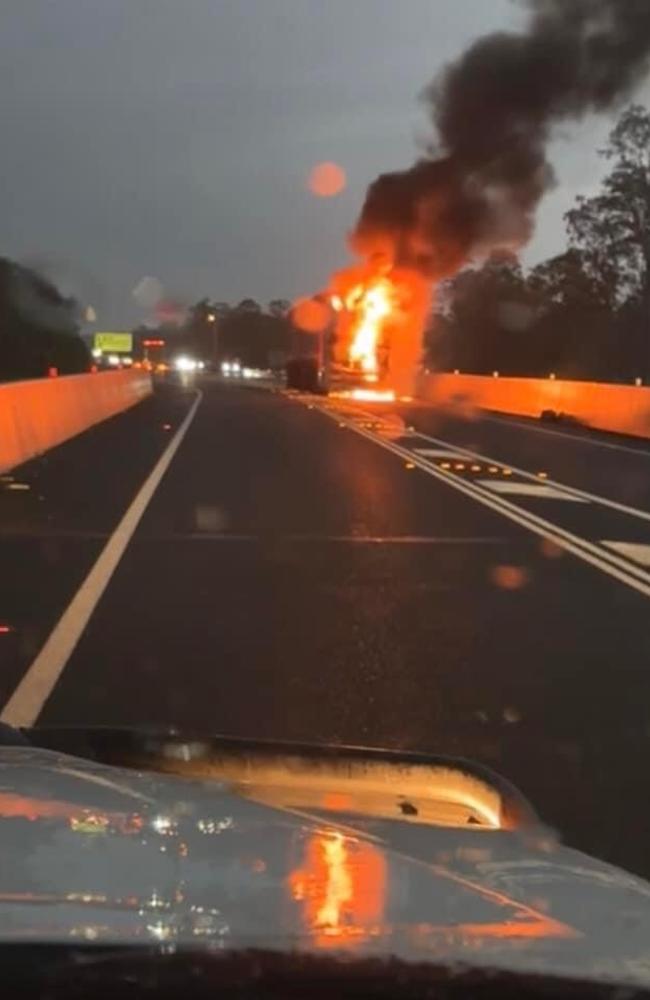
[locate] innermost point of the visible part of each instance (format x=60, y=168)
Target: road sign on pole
x=114, y=343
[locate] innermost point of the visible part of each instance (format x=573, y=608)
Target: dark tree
x=485, y=320
x=38, y=326
x=248, y=306
x=574, y=332
x=612, y=232
x=279, y=307
x=612, y=229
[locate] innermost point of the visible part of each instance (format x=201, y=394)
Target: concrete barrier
x=38, y=414
x=624, y=409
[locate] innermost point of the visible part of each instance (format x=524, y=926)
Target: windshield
x=325, y=390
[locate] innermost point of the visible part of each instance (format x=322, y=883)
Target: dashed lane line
x=528, y=490
x=637, y=552
x=438, y=453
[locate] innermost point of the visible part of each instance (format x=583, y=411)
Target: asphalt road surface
x=245, y=562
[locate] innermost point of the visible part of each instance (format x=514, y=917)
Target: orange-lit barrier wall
x=41, y=413
x=624, y=409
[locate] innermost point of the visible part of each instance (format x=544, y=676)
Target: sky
x=174, y=138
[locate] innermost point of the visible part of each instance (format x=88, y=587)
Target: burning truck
x=363, y=334
x=476, y=187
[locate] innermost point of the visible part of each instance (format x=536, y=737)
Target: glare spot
x=511, y=714
x=148, y=292
x=409, y=465
x=550, y=549
x=473, y=855
x=310, y=315
x=509, y=577
x=326, y=179
x=208, y=517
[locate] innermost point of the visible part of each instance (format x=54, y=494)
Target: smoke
x=493, y=111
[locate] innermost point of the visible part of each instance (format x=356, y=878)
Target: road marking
x=602, y=559
x=437, y=453
x=631, y=550
x=643, y=515
x=529, y=490
x=38, y=682
x=317, y=539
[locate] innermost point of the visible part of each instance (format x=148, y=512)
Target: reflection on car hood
x=94, y=853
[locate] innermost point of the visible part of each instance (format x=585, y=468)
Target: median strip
x=606, y=561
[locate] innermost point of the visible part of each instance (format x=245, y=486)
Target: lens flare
x=326, y=180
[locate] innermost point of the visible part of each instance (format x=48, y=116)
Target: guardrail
x=623, y=409
x=38, y=414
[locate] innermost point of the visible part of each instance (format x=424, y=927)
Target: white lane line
x=37, y=684
x=603, y=560
x=643, y=515
x=437, y=453
x=529, y=490
x=635, y=551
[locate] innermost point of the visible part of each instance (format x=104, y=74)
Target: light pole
x=212, y=319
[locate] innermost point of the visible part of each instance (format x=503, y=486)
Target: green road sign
x=114, y=343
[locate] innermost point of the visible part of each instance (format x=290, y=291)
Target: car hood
x=102, y=854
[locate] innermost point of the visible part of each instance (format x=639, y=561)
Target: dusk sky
x=174, y=138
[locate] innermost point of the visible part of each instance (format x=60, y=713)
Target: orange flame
x=371, y=305
x=341, y=888
x=380, y=312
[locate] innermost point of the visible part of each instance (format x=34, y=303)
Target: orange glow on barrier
x=38, y=414
x=620, y=408
x=341, y=887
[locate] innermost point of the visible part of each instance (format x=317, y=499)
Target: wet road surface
x=324, y=571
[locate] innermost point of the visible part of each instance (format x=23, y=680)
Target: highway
x=238, y=561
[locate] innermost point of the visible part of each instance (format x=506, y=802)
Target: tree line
x=39, y=327
x=584, y=313
x=257, y=336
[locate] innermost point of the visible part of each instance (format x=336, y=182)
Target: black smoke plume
x=493, y=111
